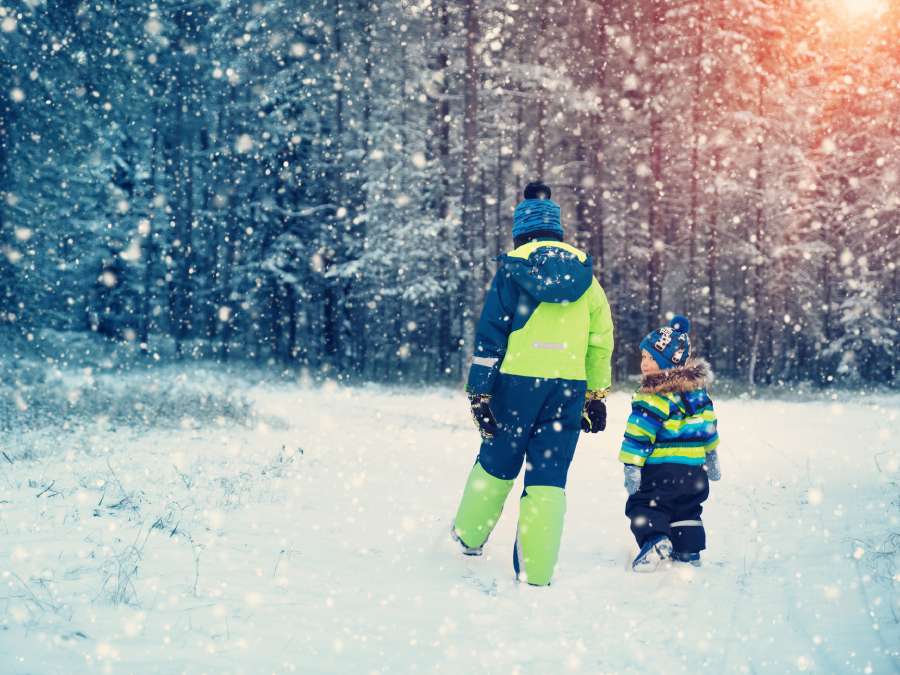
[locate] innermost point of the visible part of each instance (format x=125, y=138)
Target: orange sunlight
x=862, y=9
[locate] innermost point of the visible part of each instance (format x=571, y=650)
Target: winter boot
x=466, y=550
x=688, y=558
x=654, y=552
x=479, y=509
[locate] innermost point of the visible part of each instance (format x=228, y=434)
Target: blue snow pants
x=538, y=421
x=669, y=503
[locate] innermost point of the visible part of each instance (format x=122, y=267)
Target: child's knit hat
x=670, y=345
x=537, y=212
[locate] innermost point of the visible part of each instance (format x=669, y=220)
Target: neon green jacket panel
x=553, y=343
x=601, y=340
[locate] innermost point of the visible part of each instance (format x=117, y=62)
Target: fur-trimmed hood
x=695, y=374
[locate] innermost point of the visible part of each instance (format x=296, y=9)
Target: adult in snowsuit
x=539, y=374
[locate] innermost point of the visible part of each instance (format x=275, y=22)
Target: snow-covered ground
x=315, y=540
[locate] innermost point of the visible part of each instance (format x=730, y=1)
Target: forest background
x=325, y=185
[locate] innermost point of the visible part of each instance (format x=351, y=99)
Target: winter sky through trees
x=325, y=184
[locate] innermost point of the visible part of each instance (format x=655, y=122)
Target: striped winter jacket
x=672, y=418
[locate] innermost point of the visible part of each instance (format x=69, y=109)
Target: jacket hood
x=695, y=374
x=551, y=274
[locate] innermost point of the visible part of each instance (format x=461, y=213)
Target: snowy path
x=319, y=545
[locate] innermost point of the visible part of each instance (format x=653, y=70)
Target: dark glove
x=713, y=468
x=593, y=417
x=483, y=415
x=632, y=478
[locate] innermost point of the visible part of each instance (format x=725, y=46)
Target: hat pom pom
x=537, y=190
x=680, y=323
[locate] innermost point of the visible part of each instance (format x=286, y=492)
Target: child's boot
x=466, y=549
x=688, y=558
x=654, y=552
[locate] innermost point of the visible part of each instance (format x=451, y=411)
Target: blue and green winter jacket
x=545, y=316
x=672, y=418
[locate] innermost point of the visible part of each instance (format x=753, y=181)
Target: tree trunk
x=657, y=246
x=758, y=235
x=712, y=252
x=695, y=164
x=470, y=208
x=655, y=217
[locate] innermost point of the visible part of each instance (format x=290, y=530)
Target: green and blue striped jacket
x=672, y=418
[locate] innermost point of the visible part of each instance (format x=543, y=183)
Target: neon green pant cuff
x=541, y=514
x=481, y=506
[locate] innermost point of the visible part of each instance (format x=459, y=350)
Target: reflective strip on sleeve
x=486, y=361
x=687, y=523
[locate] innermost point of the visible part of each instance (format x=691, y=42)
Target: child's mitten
x=632, y=478
x=713, y=469
x=593, y=417
x=483, y=415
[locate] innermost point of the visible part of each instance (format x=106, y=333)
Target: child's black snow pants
x=669, y=503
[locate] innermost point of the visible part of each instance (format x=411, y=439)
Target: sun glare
x=863, y=8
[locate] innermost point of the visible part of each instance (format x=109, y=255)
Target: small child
x=669, y=450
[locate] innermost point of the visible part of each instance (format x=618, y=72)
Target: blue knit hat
x=670, y=345
x=537, y=212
